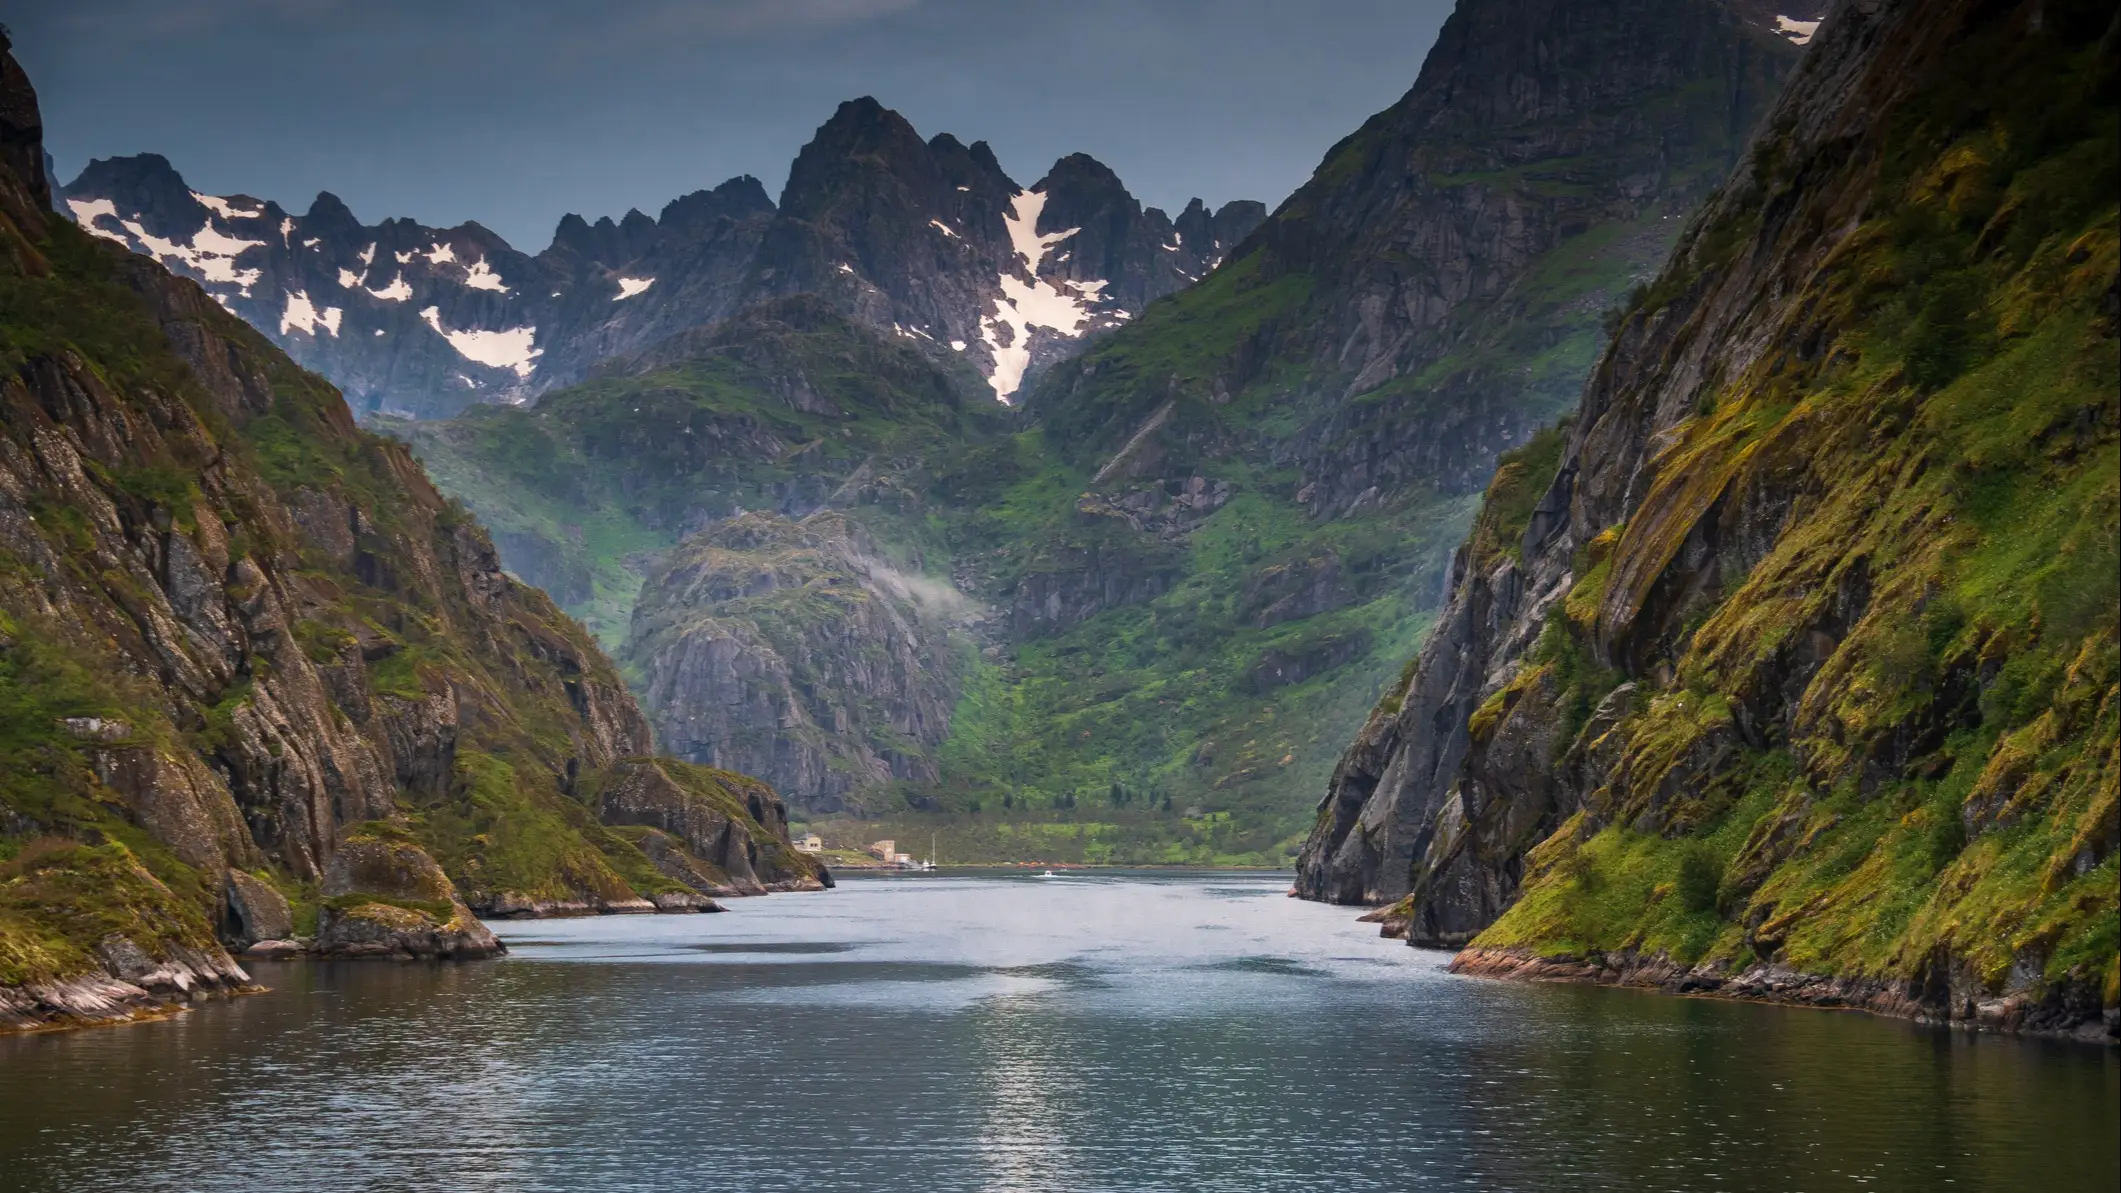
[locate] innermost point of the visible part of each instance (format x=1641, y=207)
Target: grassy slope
x=503, y=824
x=1963, y=410
x=606, y=474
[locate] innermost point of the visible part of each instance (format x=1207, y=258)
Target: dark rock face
x=257, y=911
x=716, y=831
x=793, y=651
x=1691, y=622
x=909, y=237
x=1431, y=296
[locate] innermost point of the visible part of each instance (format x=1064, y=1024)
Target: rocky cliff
x=258, y=679
x=1794, y=672
x=794, y=650
x=928, y=241
x=1433, y=294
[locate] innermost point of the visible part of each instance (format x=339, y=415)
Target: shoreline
x=2055, y=1018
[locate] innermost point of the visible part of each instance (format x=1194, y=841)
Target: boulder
x=256, y=911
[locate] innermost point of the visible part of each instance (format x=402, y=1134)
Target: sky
x=514, y=112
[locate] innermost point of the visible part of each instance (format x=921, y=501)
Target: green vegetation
x=786, y=404
x=59, y=899
x=1945, y=786
x=238, y=583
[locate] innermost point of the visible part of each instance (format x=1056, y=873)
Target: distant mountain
x=927, y=240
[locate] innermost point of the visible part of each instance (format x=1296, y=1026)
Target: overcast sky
x=513, y=112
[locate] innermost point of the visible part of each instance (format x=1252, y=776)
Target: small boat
x=1049, y=874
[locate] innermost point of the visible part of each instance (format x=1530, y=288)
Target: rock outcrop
x=706, y=827
x=1799, y=678
x=385, y=897
x=794, y=651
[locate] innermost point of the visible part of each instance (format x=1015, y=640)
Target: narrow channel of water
x=1121, y=1032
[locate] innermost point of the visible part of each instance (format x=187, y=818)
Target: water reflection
x=1012, y=1034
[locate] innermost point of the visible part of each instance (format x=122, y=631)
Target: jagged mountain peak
x=1080, y=170
x=22, y=129
x=927, y=240
x=327, y=212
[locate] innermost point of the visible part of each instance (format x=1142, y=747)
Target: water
x=1017, y=1033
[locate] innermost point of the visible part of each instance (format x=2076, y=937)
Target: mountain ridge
x=910, y=236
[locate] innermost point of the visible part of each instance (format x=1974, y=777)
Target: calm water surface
x=1015, y=1033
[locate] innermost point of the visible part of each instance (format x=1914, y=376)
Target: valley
x=1644, y=512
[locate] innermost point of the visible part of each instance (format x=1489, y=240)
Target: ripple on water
x=1143, y=1033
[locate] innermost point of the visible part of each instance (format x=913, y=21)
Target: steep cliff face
x=1449, y=262
x=927, y=241
x=254, y=670
x=794, y=651
x=1799, y=675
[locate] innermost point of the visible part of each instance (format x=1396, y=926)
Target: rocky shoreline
x=1943, y=998
x=133, y=988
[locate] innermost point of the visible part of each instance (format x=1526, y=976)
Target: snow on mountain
x=925, y=239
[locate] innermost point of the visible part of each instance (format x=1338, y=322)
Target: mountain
x=261, y=684
x=1792, y=670
x=1138, y=619
x=929, y=241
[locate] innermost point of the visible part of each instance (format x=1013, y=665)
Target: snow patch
x=225, y=209
x=1799, y=32
x=349, y=280
x=957, y=345
x=482, y=277
x=368, y=255
x=404, y=258
x=379, y=331
x=286, y=226
x=88, y=211
x=397, y=291
x=211, y=254
x=945, y=229
x=311, y=243
x=1063, y=308
x=628, y=287
x=515, y=348
x=302, y=315
x=442, y=254
x=846, y=269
